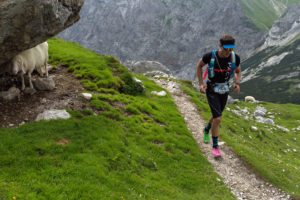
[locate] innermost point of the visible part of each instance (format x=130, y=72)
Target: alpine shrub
x=130, y=86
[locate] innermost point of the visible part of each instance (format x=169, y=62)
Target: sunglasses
x=230, y=49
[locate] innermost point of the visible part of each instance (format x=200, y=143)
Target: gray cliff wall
x=174, y=32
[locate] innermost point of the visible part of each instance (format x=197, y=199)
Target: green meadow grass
x=138, y=147
x=269, y=151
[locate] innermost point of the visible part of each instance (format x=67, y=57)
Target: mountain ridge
x=174, y=33
x=177, y=33
x=273, y=74
x=276, y=66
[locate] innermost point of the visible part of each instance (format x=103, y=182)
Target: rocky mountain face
x=26, y=23
x=174, y=32
x=285, y=29
x=273, y=74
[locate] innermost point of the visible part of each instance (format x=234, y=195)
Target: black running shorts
x=217, y=102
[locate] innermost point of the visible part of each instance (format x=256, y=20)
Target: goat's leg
x=22, y=78
x=46, y=69
x=30, y=82
x=40, y=71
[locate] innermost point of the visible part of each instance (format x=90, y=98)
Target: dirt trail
x=243, y=183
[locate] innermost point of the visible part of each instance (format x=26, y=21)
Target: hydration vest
x=210, y=70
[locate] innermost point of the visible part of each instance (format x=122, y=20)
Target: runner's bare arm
x=199, y=71
x=199, y=74
x=238, y=74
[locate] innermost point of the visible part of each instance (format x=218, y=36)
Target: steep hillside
x=264, y=12
x=284, y=29
x=274, y=74
x=123, y=144
x=173, y=32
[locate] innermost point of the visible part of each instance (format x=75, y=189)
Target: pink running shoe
x=216, y=152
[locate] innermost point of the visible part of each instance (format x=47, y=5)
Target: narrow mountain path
x=242, y=181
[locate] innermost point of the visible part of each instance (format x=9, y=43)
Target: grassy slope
x=270, y=150
x=262, y=12
x=140, y=149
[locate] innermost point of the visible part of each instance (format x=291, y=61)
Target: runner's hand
x=202, y=88
x=236, y=88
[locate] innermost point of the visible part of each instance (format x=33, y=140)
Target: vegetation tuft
x=97, y=72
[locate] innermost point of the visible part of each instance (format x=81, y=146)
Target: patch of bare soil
x=236, y=174
x=63, y=142
x=27, y=107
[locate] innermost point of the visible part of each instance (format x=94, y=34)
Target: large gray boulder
x=146, y=66
x=44, y=84
x=26, y=23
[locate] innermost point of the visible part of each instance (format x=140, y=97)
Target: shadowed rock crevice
x=26, y=23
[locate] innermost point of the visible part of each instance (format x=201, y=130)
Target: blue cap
x=229, y=46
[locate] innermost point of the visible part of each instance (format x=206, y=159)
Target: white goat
x=30, y=59
x=249, y=99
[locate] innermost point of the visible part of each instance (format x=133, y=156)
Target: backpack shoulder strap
x=213, y=58
x=233, y=58
x=211, y=66
x=233, y=62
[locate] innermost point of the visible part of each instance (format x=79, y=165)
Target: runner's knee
x=217, y=120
